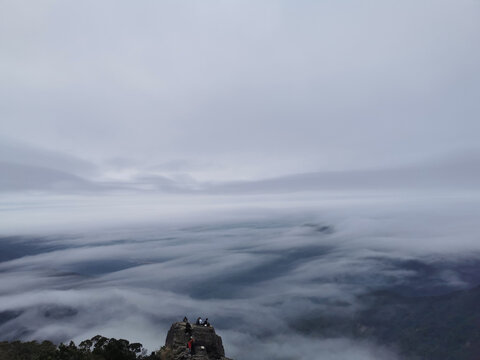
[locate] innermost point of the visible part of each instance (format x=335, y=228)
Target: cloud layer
x=257, y=278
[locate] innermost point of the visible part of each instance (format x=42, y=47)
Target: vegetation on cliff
x=97, y=348
x=208, y=346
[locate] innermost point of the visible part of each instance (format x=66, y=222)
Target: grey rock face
x=208, y=345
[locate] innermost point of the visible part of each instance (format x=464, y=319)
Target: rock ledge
x=208, y=345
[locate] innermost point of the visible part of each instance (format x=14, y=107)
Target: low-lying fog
x=256, y=266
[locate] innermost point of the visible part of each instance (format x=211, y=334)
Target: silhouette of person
x=188, y=329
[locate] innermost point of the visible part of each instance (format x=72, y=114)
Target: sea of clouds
x=256, y=268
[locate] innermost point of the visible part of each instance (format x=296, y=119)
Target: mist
x=257, y=272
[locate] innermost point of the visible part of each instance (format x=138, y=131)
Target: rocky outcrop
x=208, y=345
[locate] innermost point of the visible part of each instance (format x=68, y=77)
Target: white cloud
x=249, y=275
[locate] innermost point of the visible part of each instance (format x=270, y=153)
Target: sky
x=237, y=90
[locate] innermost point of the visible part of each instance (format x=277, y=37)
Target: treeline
x=97, y=348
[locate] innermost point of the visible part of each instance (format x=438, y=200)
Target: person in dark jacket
x=188, y=329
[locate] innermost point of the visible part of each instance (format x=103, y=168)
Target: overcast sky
x=240, y=89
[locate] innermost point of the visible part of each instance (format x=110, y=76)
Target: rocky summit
x=207, y=344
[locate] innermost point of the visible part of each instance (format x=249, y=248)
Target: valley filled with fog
x=279, y=276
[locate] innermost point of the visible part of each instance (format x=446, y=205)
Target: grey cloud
x=28, y=168
x=299, y=89
x=182, y=165
x=175, y=184
x=258, y=279
x=17, y=177
x=451, y=172
x=28, y=155
x=448, y=173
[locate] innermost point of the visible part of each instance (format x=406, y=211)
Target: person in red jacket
x=191, y=346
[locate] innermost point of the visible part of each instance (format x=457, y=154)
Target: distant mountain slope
x=445, y=327
x=458, y=173
x=18, y=177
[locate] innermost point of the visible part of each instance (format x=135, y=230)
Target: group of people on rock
x=199, y=322
x=202, y=322
x=188, y=331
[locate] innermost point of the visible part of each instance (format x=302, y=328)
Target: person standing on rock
x=199, y=321
x=191, y=346
x=188, y=329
